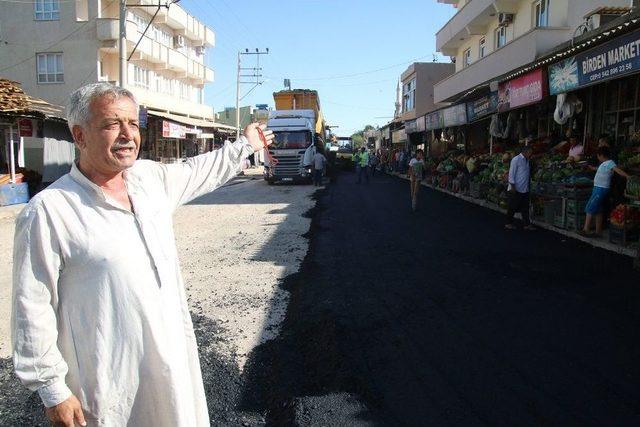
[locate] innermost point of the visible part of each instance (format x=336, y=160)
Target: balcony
x=199, y=73
x=472, y=19
x=178, y=62
x=519, y=52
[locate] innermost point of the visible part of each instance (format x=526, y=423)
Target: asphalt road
x=441, y=317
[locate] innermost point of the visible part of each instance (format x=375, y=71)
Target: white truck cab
x=293, y=146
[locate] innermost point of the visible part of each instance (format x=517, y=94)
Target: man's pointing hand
x=253, y=135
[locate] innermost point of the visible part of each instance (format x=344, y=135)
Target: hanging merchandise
x=566, y=107
x=495, y=128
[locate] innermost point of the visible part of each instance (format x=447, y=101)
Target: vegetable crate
x=574, y=192
x=560, y=214
x=623, y=236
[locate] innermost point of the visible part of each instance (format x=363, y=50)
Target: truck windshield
x=298, y=139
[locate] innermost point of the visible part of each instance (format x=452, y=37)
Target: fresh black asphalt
x=441, y=317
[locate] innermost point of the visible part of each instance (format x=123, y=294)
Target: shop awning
x=190, y=120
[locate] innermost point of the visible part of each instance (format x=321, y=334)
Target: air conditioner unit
x=504, y=19
x=178, y=41
x=200, y=50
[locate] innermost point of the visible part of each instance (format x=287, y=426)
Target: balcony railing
x=515, y=54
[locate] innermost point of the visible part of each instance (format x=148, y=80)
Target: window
x=50, y=68
x=466, y=58
x=501, y=37
x=140, y=77
x=47, y=10
x=164, y=37
x=408, y=96
x=482, y=48
x=140, y=22
x=541, y=13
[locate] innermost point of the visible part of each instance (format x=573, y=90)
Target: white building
x=55, y=46
x=489, y=38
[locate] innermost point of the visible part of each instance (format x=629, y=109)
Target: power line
x=344, y=76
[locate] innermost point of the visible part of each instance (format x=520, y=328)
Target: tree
x=358, y=137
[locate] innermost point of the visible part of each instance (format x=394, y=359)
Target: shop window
x=541, y=13
x=501, y=37
x=482, y=48
x=50, y=68
x=466, y=58
x=46, y=10
x=628, y=91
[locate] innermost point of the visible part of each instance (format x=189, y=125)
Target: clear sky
x=351, y=51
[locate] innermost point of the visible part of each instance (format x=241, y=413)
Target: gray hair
x=78, y=111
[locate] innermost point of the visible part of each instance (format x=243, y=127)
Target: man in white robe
x=100, y=321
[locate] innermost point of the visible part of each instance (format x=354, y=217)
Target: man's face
x=527, y=154
x=110, y=142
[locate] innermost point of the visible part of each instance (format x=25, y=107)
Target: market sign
x=611, y=60
x=482, y=107
x=434, y=120
x=410, y=126
x=524, y=90
x=420, y=124
x=173, y=130
x=143, y=118
x=455, y=116
x=25, y=127
x=398, y=136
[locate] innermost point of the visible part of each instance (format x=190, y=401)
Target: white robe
x=99, y=306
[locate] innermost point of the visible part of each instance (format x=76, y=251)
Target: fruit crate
x=575, y=191
x=478, y=190
x=575, y=221
x=575, y=206
x=560, y=214
x=623, y=236
x=550, y=208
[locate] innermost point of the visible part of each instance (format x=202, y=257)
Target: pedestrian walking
x=356, y=161
x=416, y=169
x=363, y=161
x=518, y=190
x=374, y=161
x=100, y=321
x=319, y=162
x=601, y=186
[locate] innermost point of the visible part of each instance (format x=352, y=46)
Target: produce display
x=623, y=216
x=628, y=159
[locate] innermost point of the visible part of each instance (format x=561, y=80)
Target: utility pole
x=256, y=74
x=122, y=44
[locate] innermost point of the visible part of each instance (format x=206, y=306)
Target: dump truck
x=299, y=128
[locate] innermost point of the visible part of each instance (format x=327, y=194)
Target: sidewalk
x=602, y=243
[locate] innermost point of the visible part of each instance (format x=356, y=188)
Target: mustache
x=128, y=144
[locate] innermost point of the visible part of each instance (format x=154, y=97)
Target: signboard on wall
x=420, y=124
x=455, y=116
x=434, y=120
x=398, y=136
x=26, y=127
x=524, y=90
x=173, y=130
x=610, y=60
x=143, y=118
x=482, y=107
x=411, y=126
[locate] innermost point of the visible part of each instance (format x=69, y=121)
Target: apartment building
x=55, y=46
x=489, y=38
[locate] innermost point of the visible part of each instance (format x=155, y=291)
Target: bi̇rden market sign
x=614, y=59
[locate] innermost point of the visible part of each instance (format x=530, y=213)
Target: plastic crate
x=549, y=210
x=575, y=206
x=560, y=214
x=13, y=194
x=575, y=192
x=623, y=236
x=478, y=190
x=575, y=221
